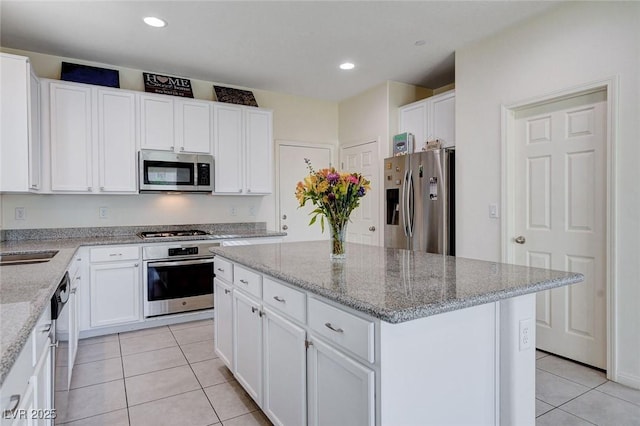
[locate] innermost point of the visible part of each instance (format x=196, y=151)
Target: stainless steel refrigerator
x=420, y=201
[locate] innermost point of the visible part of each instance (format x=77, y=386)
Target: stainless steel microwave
x=162, y=171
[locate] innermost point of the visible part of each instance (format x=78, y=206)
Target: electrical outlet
x=103, y=212
x=526, y=334
x=21, y=213
x=233, y=211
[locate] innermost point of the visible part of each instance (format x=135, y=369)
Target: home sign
x=176, y=86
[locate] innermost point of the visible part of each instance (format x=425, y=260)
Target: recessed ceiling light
x=347, y=66
x=152, y=21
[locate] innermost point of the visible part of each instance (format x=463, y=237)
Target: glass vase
x=338, y=238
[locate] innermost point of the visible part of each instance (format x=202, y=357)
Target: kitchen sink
x=23, y=258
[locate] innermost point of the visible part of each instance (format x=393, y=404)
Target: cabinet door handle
x=15, y=399
x=253, y=309
x=46, y=328
x=181, y=148
x=279, y=299
x=331, y=327
x=226, y=291
x=220, y=269
x=244, y=281
x=136, y=265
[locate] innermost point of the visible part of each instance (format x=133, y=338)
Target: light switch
x=493, y=211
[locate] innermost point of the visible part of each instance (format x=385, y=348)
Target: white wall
x=575, y=44
x=295, y=118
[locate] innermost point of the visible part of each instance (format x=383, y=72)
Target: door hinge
x=307, y=343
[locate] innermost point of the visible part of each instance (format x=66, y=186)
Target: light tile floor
x=171, y=376
x=162, y=376
x=571, y=394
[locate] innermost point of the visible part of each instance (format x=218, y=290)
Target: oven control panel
x=183, y=251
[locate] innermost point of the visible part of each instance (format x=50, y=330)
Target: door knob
x=520, y=240
x=285, y=227
x=372, y=228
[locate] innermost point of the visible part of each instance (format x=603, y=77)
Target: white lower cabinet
x=26, y=393
x=223, y=326
x=341, y=390
x=115, y=292
x=294, y=378
x=247, y=326
x=285, y=375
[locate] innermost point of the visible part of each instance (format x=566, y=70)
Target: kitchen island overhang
x=447, y=332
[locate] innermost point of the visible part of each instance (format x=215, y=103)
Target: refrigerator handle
x=410, y=203
x=404, y=202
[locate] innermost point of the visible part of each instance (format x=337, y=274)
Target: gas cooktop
x=171, y=234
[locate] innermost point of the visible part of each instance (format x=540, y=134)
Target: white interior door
x=292, y=169
x=560, y=213
x=364, y=226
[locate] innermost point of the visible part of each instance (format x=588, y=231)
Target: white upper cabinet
x=442, y=118
x=193, y=124
x=92, y=139
x=228, y=139
x=71, y=137
x=430, y=119
x=156, y=122
x=175, y=124
x=20, y=130
x=243, y=150
x=413, y=119
x=117, y=141
x=259, y=154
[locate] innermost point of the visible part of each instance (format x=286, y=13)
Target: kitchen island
x=386, y=337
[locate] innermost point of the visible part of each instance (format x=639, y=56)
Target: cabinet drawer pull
x=244, y=281
x=227, y=291
x=330, y=327
x=220, y=269
x=115, y=254
x=278, y=299
x=253, y=309
x=15, y=399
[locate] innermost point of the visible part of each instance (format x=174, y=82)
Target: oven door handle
x=181, y=262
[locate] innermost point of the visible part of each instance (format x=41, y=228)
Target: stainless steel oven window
x=175, y=279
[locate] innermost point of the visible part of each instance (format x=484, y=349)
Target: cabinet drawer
x=223, y=269
x=112, y=254
x=285, y=299
x=247, y=280
x=343, y=328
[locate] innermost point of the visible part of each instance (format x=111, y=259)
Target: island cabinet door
x=285, y=371
x=341, y=390
x=247, y=346
x=223, y=324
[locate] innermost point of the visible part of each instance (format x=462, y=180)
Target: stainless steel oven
x=177, y=277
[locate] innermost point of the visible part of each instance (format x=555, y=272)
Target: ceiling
x=292, y=47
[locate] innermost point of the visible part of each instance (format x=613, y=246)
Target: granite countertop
x=391, y=284
x=25, y=290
